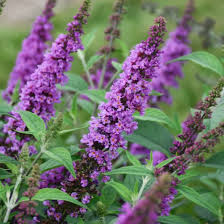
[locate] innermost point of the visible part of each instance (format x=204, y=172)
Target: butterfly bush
x=190, y=149
x=147, y=209
x=127, y=94
x=32, y=53
x=176, y=46
x=40, y=93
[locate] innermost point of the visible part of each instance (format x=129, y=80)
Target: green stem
x=83, y=60
x=11, y=203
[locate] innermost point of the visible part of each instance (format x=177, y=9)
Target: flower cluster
x=32, y=53
x=40, y=93
x=147, y=209
x=176, y=46
x=128, y=94
x=189, y=149
x=27, y=208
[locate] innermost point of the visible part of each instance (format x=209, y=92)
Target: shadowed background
x=17, y=17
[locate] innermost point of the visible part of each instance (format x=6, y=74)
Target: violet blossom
x=40, y=93
x=127, y=94
x=32, y=53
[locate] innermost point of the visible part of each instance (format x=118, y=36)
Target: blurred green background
x=134, y=28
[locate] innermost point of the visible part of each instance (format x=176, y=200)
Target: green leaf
x=215, y=161
x=55, y=194
x=195, y=197
x=204, y=59
x=75, y=83
x=108, y=195
x=96, y=95
x=4, y=174
x=124, y=48
x=74, y=108
x=155, y=93
x=34, y=123
x=154, y=114
x=93, y=60
x=152, y=136
x=118, y=66
x=134, y=170
x=85, y=125
x=15, y=95
x=165, y=162
x=5, y=109
x=63, y=156
x=132, y=159
x=49, y=164
x=88, y=39
x=86, y=105
x=173, y=219
x=7, y=159
x=124, y=192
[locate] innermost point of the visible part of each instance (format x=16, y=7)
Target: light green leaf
x=93, y=60
x=96, y=95
x=152, y=136
x=85, y=125
x=75, y=83
x=154, y=114
x=132, y=159
x=124, y=48
x=155, y=93
x=55, y=194
x=74, y=108
x=34, y=123
x=86, y=105
x=88, y=39
x=118, y=66
x=4, y=174
x=124, y=192
x=62, y=156
x=195, y=197
x=133, y=170
x=5, y=109
x=15, y=95
x=165, y=162
x=204, y=59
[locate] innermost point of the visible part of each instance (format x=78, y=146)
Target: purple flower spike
x=32, y=53
x=40, y=93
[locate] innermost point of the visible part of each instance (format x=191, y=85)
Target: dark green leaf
x=195, y=197
x=34, y=123
x=55, y=194
x=85, y=125
x=215, y=161
x=124, y=192
x=7, y=159
x=62, y=156
x=204, y=59
x=173, y=219
x=133, y=170
x=108, y=195
x=152, y=136
x=49, y=164
x=4, y=174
